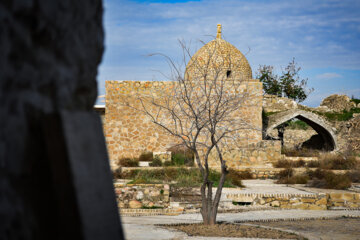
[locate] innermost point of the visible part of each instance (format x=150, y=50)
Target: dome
x=219, y=56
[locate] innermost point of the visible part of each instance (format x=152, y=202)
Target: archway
x=320, y=125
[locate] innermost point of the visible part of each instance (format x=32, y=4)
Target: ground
x=146, y=227
x=341, y=228
x=311, y=224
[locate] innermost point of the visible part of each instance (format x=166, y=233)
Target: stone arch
x=319, y=124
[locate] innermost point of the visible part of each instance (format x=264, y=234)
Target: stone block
x=308, y=200
x=357, y=195
x=348, y=196
x=321, y=201
x=275, y=204
x=135, y=204
x=336, y=196
x=316, y=207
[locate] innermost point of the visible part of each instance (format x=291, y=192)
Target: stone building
x=129, y=132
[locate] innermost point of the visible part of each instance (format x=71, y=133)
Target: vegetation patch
x=289, y=164
x=298, y=124
x=327, y=179
x=146, y=157
x=128, y=162
x=303, y=152
x=342, y=116
x=233, y=230
x=182, y=177
x=287, y=176
x=355, y=100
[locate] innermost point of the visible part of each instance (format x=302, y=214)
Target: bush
x=180, y=155
x=289, y=164
x=328, y=179
x=167, y=163
x=117, y=173
x=287, y=176
x=354, y=175
x=286, y=173
x=146, y=157
x=313, y=164
x=178, y=159
x=156, y=162
x=128, y=162
x=236, y=176
x=303, y=152
x=297, y=179
x=337, y=162
x=298, y=124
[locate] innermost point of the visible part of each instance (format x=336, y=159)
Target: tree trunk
x=210, y=206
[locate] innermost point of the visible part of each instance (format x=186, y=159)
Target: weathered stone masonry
x=129, y=132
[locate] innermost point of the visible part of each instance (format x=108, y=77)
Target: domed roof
x=220, y=55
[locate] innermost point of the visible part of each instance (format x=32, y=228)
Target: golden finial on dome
x=218, y=35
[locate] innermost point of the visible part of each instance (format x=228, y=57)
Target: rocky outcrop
x=337, y=103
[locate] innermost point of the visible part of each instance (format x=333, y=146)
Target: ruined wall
x=261, y=154
x=129, y=132
x=272, y=103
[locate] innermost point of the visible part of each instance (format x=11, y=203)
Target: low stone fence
x=321, y=201
x=142, y=195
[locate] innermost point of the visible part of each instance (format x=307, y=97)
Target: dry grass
x=287, y=176
x=289, y=164
x=233, y=230
x=327, y=179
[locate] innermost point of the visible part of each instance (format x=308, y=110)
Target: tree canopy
x=289, y=84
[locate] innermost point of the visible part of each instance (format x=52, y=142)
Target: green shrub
x=180, y=155
x=129, y=162
x=146, y=157
x=156, y=162
x=298, y=124
x=355, y=100
x=342, y=116
x=178, y=159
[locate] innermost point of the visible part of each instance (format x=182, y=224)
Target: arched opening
x=317, y=134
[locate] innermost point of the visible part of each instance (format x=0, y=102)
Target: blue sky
x=323, y=36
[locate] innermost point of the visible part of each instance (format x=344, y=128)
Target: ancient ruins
x=129, y=132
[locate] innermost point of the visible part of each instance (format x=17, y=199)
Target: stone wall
x=272, y=103
x=263, y=153
x=129, y=132
x=321, y=201
x=138, y=196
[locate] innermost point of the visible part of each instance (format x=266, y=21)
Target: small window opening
x=228, y=73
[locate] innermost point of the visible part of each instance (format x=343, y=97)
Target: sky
x=322, y=35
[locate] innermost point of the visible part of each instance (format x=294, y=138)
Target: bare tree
x=200, y=109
